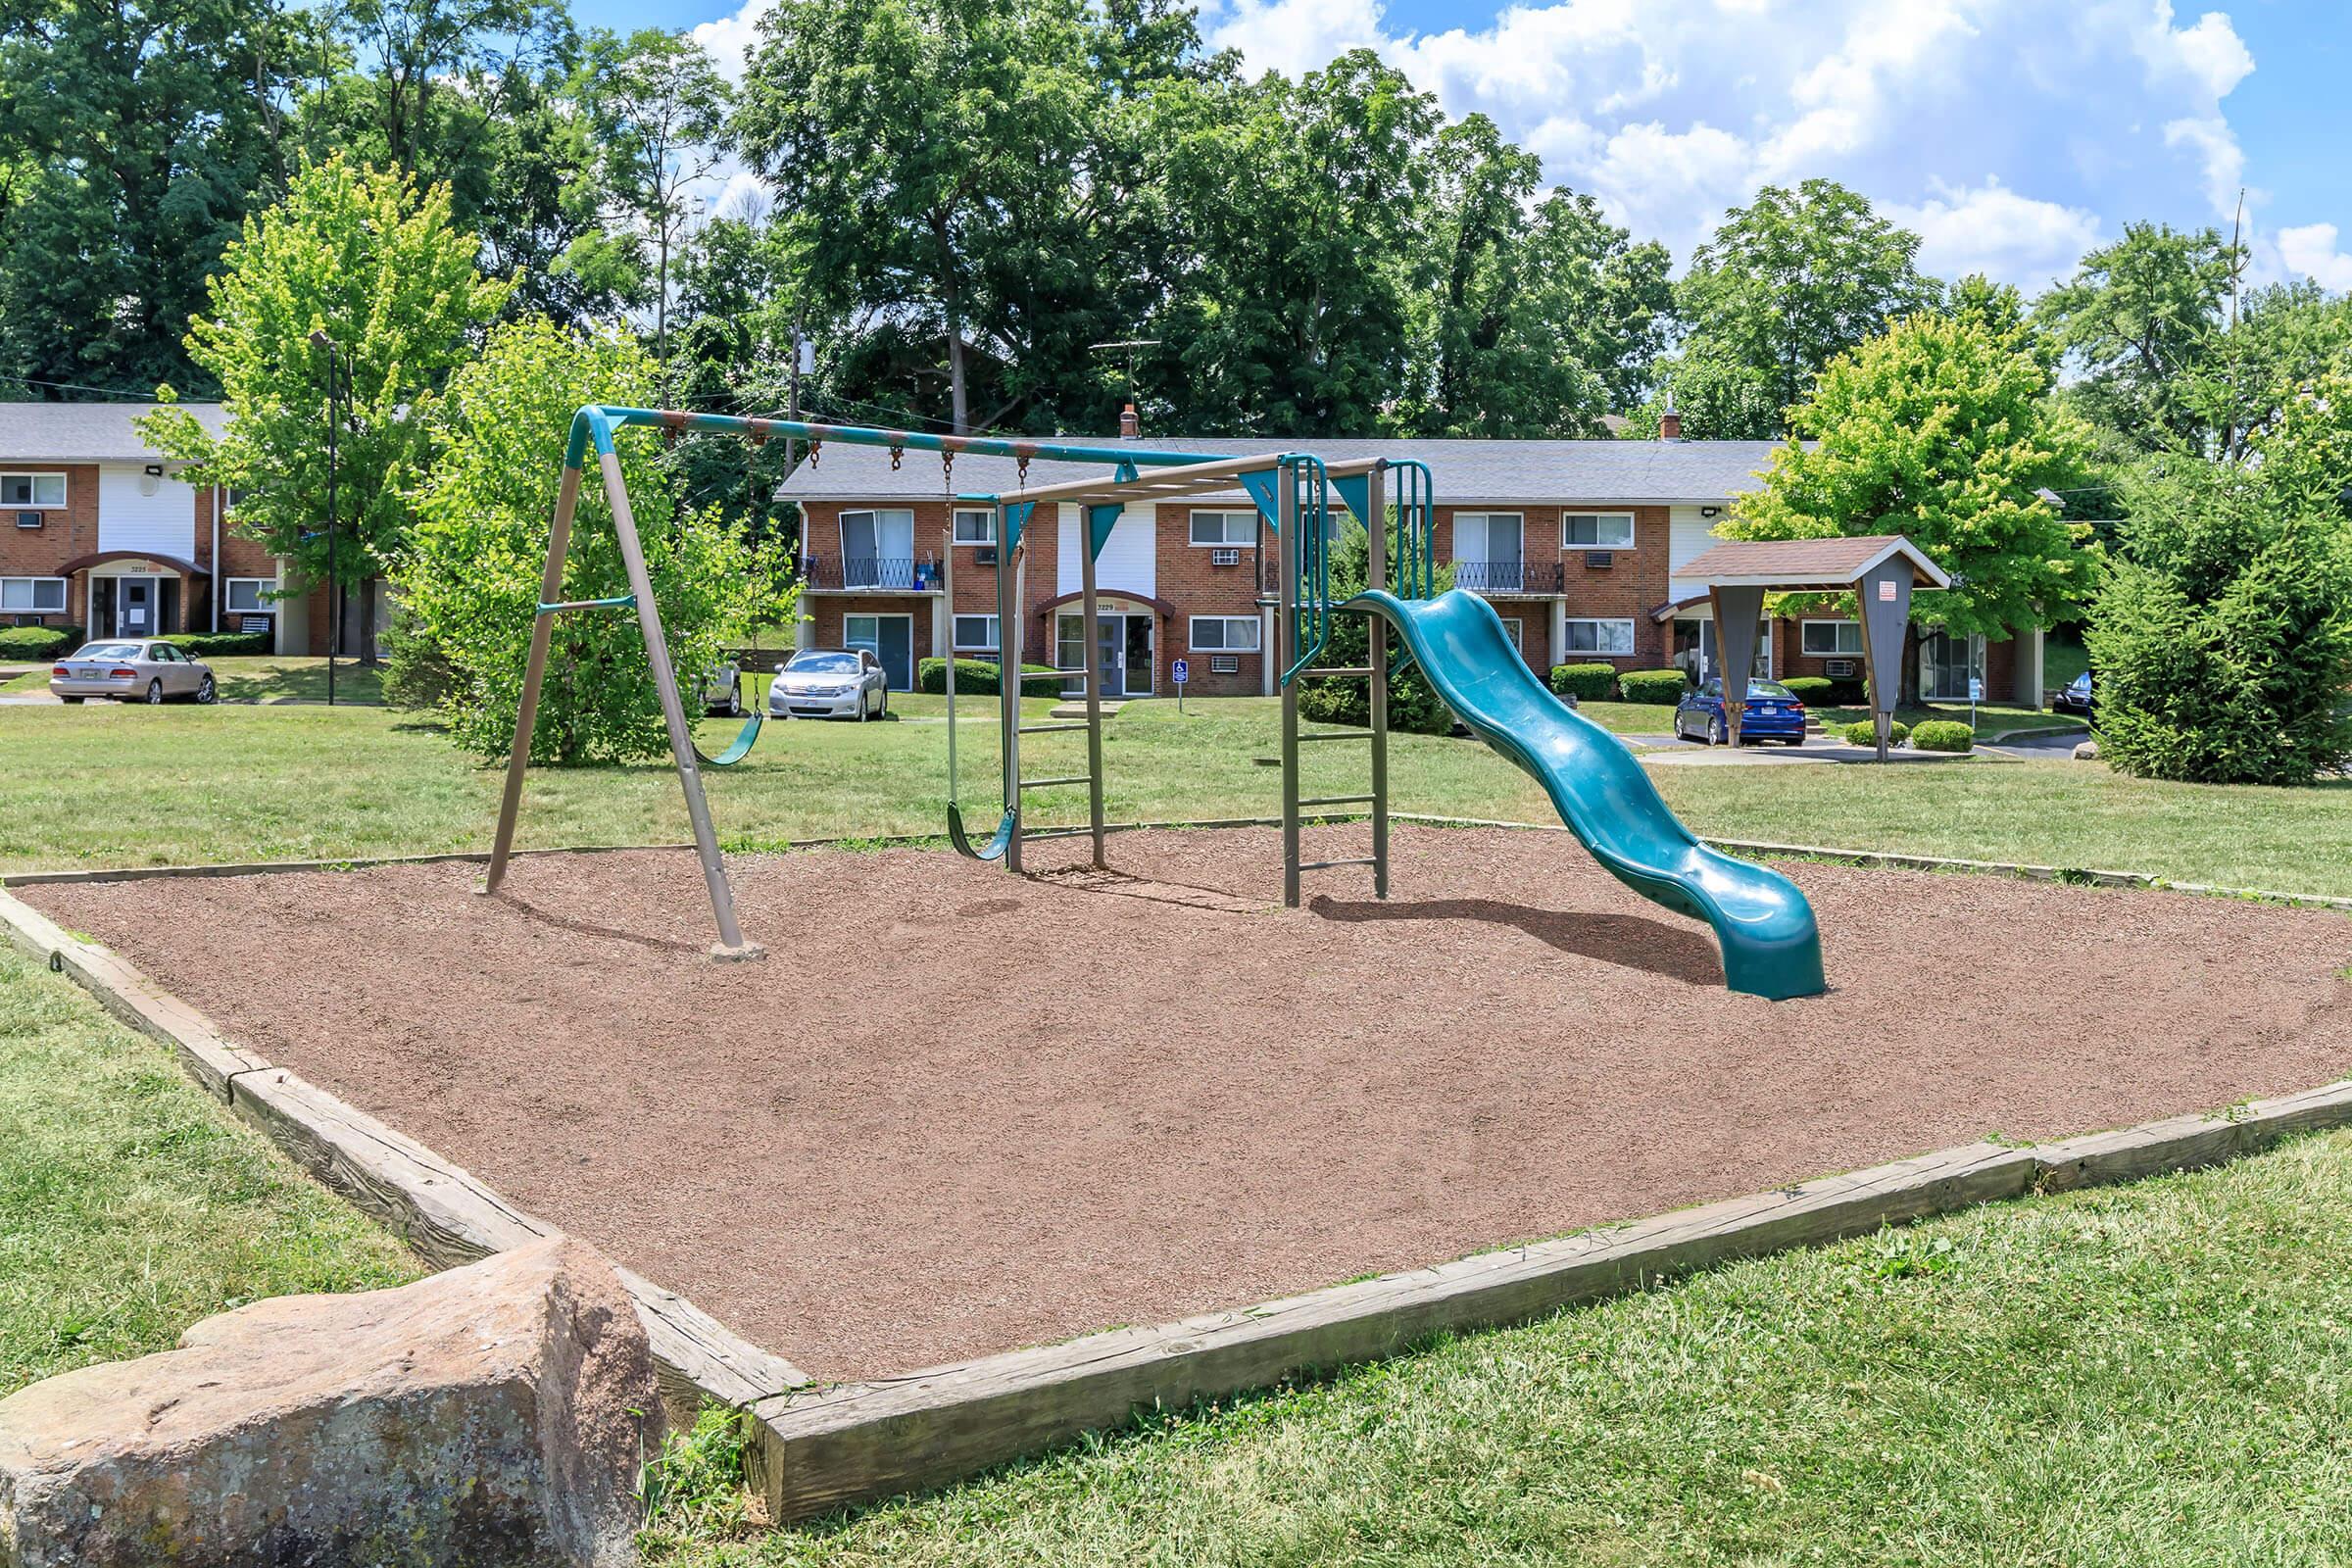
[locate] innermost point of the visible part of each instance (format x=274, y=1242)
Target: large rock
x=2087, y=750
x=493, y=1414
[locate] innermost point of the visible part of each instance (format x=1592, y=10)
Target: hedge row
x=38, y=642
x=1587, y=683
x=1865, y=732
x=219, y=644
x=978, y=677
x=1944, y=735
x=1665, y=686
x=51, y=642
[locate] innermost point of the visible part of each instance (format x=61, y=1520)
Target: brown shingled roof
x=1807, y=563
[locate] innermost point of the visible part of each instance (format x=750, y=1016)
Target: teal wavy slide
x=1762, y=922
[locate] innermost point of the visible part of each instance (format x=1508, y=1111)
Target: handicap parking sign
x=1177, y=671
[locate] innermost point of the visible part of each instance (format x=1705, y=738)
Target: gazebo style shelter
x=1881, y=571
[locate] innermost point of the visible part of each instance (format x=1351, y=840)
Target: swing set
x=1294, y=494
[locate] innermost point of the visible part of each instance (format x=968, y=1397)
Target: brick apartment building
x=1576, y=543
x=99, y=530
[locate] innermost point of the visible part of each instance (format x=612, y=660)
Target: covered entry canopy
x=1881, y=571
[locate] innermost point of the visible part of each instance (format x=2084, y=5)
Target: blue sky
x=2012, y=135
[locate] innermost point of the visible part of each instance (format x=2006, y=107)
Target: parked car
x=131, y=673
x=722, y=690
x=2073, y=697
x=830, y=683
x=1772, y=712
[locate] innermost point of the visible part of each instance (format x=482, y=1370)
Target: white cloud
x=730, y=38
x=2222, y=161
x=1296, y=36
x=1992, y=229
x=2311, y=251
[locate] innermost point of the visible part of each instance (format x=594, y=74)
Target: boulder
x=493, y=1414
x=2087, y=750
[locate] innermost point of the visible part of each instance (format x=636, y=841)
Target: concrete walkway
x=1668, y=751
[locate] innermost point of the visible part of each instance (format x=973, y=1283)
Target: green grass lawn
x=1995, y=720
x=130, y=1203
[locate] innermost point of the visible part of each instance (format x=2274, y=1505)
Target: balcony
x=870, y=575
x=1504, y=579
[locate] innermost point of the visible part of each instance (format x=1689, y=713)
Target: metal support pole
x=947, y=575
x=1286, y=634
x=526, y=717
x=1094, y=681
x=730, y=943
x=1376, y=576
x=1012, y=629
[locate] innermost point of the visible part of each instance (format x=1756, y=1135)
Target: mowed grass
x=136, y=786
x=130, y=1203
x=2151, y=1377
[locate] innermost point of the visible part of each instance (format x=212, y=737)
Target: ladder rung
x=1028, y=833
x=1056, y=674
x=1337, y=735
x=1325, y=865
x=1052, y=729
x=1049, y=783
x=1338, y=799
x=623, y=602
x=1344, y=671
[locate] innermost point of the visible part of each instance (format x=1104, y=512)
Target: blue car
x=1771, y=713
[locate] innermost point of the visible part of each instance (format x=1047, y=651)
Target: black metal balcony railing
x=1508, y=576
x=882, y=574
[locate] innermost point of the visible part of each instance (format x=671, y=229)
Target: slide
x=1762, y=921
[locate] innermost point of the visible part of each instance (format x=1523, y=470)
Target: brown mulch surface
x=956, y=1111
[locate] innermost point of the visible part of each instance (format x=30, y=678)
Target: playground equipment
x=1761, y=920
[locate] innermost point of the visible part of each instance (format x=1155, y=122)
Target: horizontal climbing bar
x=1339, y=800
x=1325, y=865
x=1053, y=832
x=1049, y=783
x=1337, y=735
x=1047, y=674
x=1342, y=671
x=623, y=602
x=1052, y=729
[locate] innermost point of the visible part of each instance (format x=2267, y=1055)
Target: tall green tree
x=1793, y=279
x=364, y=257
x=2139, y=319
x=659, y=107
x=1942, y=430
x=134, y=136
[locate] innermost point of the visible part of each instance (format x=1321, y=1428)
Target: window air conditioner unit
x=985, y=556
x=29, y=520
x=1224, y=665
x=1840, y=668
x=1225, y=558
x=1600, y=560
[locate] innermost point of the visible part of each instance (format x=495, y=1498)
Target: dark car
x=1771, y=713
x=2073, y=697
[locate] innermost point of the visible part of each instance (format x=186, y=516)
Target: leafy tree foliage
x=376, y=266
x=1795, y=278
x=469, y=576
x=134, y=138
x=1942, y=430
x=2140, y=318
x=1413, y=705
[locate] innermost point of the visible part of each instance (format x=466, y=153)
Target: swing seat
x=993, y=849
x=739, y=747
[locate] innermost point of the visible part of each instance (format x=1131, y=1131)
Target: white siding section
x=160, y=524
x=1130, y=559
x=1689, y=536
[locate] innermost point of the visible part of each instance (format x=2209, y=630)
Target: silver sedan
x=131, y=673
x=830, y=683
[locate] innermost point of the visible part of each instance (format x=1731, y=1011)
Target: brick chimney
x=1670, y=424
x=1131, y=429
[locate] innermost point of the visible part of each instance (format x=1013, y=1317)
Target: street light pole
x=334, y=587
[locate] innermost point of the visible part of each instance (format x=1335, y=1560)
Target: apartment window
x=32, y=489
x=1212, y=530
x=1830, y=639
x=1612, y=638
x=975, y=528
x=246, y=596
x=1237, y=634
x=975, y=634
x=1598, y=530
x=877, y=548
x=38, y=596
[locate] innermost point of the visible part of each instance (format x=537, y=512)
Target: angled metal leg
x=1285, y=623
x=1376, y=576
x=730, y=943
x=534, y=669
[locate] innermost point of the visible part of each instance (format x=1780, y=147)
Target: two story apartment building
x=1577, y=544
x=99, y=530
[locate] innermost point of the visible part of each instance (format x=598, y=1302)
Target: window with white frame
x=38, y=596
x=975, y=634
x=1225, y=634
x=1224, y=529
x=1612, y=638
x=247, y=596
x=1598, y=530
x=1830, y=639
x=975, y=527
x=32, y=489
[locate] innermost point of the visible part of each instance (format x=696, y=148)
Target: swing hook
x=895, y=452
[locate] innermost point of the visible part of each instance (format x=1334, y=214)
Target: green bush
x=219, y=644
x=1865, y=732
x=1944, y=735
x=1810, y=689
x=1653, y=685
x=1587, y=683
x=38, y=642
x=975, y=677
x=1413, y=707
